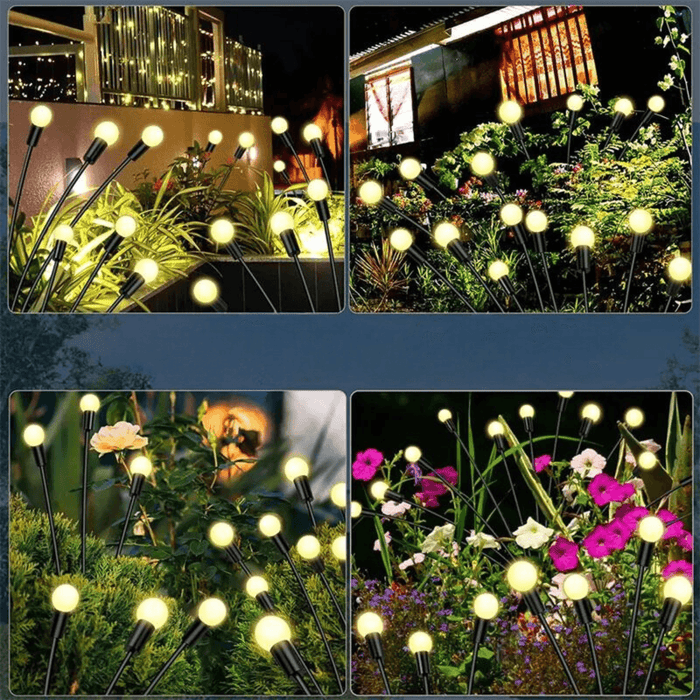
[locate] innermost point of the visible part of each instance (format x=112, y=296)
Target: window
x=545, y=53
x=389, y=108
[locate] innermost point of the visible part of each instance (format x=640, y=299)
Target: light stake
x=296, y=471
x=280, y=126
x=140, y=469
x=339, y=549
x=282, y=224
x=511, y=113
x=151, y=615
x=412, y=171
x=339, y=497
x=496, y=432
x=34, y=437
x=205, y=292
x=536, y=222
x=372, y=194
x=590, y=415
x=223, y=537
x=246, y=140
x=622, y=108
x=655, y=105
x=527, y=413
x=574, y=104
x=483, y=165
x=420, y=644
x=634, y=418
x=370, y=627
x=64, y=600
x=213, y=140
x=640, y=222
x=280, y=167
x=258, y=589
x=485, y=609
x=312, y=135
x=402, y=241
x=355, y=510
x=576, y=589
x=498, y=272
x=679, y=271
x=582, y=240
x=522, y=576
x=562, y=402
x=210, y=613
x=145, y=272
x=89, y=405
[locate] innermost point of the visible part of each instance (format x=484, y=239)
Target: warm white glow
x=412, y=454
x=295, y=467
x=510, y=112
x=526, y=411
x=574, y=103
x=495, y=428
x=221, y=534
x=125, y=226
x=246, y=139
x=256, y=585
x=33, y=435
x=309, y=547
x=339, y=548
x=522, y=576
x=63, y=232
x=312, y=132
x=221, y=231
x=444, y=233
x=679, y=588
x=651, y=529
x=498, y=269
x=634, y=417
x=212, y=612
x=215, y=137
x=279, y=166
x=592, y=412
x=271, y=630
x=656, y=103
x=640, y=221
x=369, y=623
x=486, y=606
x=147, y=268
x=281, y=221
x=205, y=291
x=355, y=509
x=279, y=125
x=624, y=106
x=401, y=240
x=410, y=168
x=378, y=489
x=338, y=496
x=646, y=460
x=483, y=164
x=317, y=190
x=371, y=192
x=152, y=136
x=582, y=236
x=90, y=402
x=420, y=641
x=108, y=132
x=566, y=394
x=575, y=587
x=536, y=221
x=41, y=116
x=154, y=611
x=679, y=269
x=444, y=414
x=511, y=214
x=65, y=598
x=270, y=525
x=141, y=465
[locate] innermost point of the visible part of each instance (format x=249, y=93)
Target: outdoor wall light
x=511, y=113
x=151, y=615
x=89, y=405
x=210, y=613
x=223, y=537
x=655, y=105
x=574, y=104
x=622, y=109
x=145, y=272
x=582, y=240
x=372, y=194
x=498, y=272
x=312, y=135
x=140, y=469
x=205, y=292
x=412, y=171
x=282, y=224
x=280, y=126
x=536, y=222
x=679, y=271
x=296, y=471
x=420, y=644
x=562, y=402
x=214, y=139
x=34, y=436
x=483, y=165
x=641, y=223
x=280, y=167
x=370, y=627
x=64, y=600
x=486, y=608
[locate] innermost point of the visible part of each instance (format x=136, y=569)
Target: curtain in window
x=389, y=108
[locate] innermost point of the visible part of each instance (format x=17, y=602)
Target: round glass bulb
x=420, y=641
x=444, y=233
x=33, y=435
x=510, y=112
x=576, y=587
x=646, y=460
x=536, y=221
x=152, y=136
x=338, y=496
x=89, y=402
x=246, y=139
x=41, y=116
x=281, y=221
x=640, y=221
x=355, y=509
x=221, y=534
x=486, y=606
x=65, y=598
x=624, y=106
x=256, y=585
x=522, y=576
x=141, y=465
x=295, y=467
x=498, y=269
x=369, y=623
x=412, y=454
x=153, y=611
x=592, y=412
x=401, y=240
x=212, y=612
x=308, y=547
x=565, y=394
x=279, y=166
x=574, y=103
x=271, y=630
x=679, y=588
x=147, y=268
x=339, y=548
x=634, y=417
x=279, y=125
x=651, y=529
x=679, y=269
x=582, y=237
x=410, y=168
x=125, y=226
x=511, y=214
x=494, y=428
x=221, y=231
x=312, y=132
x=63, y=232
x=108, y=132
x=205, y=291
x=483, y=164
x=378, y=489
x=317, y=190
x=656, y=103
x=371, y=192
x=270, y=525
x=444, y=415
x=215, y=137
x=526, y=411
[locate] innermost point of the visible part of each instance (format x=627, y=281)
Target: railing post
x=91, y=88
x=192, y=14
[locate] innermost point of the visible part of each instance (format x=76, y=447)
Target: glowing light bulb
x=108, y=132
x=65, y=598
x=444, y=233
x=582, y=237
x=270, y=525
x=154, y=611
x=679, y=269
x=246, y=139
x=270, y=630
x=63, y=232
x=125, y=226
x=412, y=454
x=281, y=221
x=312, y=132
x=338, y=496
x=147, y=268
x=679, y=588
x=355, y=509
x=444, y=414
x=205, y=291
x=295, y=467
x=221, y=534
x=656, y=103
x=574, y=103
x=592, y=412
x=279, y=166
x=483, y=164
x=371, y=192
x=640, y=221
x=576, y=587
x=378, y=489
x=279, y=125
x=495, y=428
x=212, y=612
x=486, y=606
x=215, y=137
x=510, y=112
x=420, y=641
x=41, y=116
x=511, y=214
x=566, y=394
x=141, y=465
x=317, y=190
x=221, y=231
x=33, y=435
x=536, y=221
x=646, y=460
x=634, y=417
x=410, y=168
x=522, y=576
x=369, y=623
x=339, y=548
x=152, y=136
x=498, y=269
x=401, y=240
x=624, y=106
x=89, y=402
x=256, y=585
x=309, y=547
x=651, y=529
x=526, y=411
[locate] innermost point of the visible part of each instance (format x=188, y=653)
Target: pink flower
x=542, y=462
x=117, y=437
x=597, y=542
x=618, y=533
x=626, y=491
x=606, y=489
x=648, y=444
x=432, y=487
x=673, y=530
x=427, y=500
x=394, y=508
x=366, y=464
x=564, y=554
x=387, y=539
x=588, y=464
x=631, y=515
x=685, y=541
x=680, y=566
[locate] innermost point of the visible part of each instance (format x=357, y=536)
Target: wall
x=71, y=130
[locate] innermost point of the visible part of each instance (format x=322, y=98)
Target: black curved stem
x=164, y=669
x=462, y=297
x=426, y=685
x=585, y=291
x=246, y=267
x=556, y=437
x=120, y=670
x=49, y=287
x=91, y=279
x=594, y=657
x=324, y=168
x=49, y=668
x=578, y=447
x=125, y=529
x=36, y=281
x=52, y=526
x=557, y=650
x=220, y=186
x=334, y=600
x=668, y=304
x=18, y=197
x=572, y=121
x=302, y=684
x=115, y=304
x=680, y=485
x=307, y=671
x=483, y=283
x=472, y=669
x=531, y=267
x=312, y=516
x=512, y=486
x=654, y=656
x=516, y=301
x=633, y=625
x=299, y=163
x=300, y=272
x=630, y=275
x=84, y=502
x=549, y=282
x=614, y=449
x=382, y=673
x=331, y=259
x=96, y=194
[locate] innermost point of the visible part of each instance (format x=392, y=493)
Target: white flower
x=588, y=464
x=483, y=541
x=532, y=535
x=394, y=508
x=418, y=558
x=569, y=491
x=439, y=538
x=387, y=539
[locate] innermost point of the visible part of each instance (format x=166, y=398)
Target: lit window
x=545, y=54
x=389, y=108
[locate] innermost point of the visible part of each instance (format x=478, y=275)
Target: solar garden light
x=64, y=601
x=412, y=171
x=536, y=222
x=34, y=437
x=145, y=272
x=496, y=432
x=258, y=589
x=511, y=113
x=679, y=271
x=447, y=236
x=105, y=135
x=576, y=589
x=420, y=644
x=151, y=615
x=622, y=109
x=512, y=216
x=318, y=192
x=339, y=549
x=641, y=223
x=151, y=137
x=312, y=135
x=246, y=140
x=223, y=536
x=582, y=239
x=62, y=235
x=485, y=609
x=124, y=228
x=309, y=549
x=634, y=418
x=522, y=576
x=370, y=627
x=574, y=104
x=280, y=167
x=282, y=224
x=372, y=194
x=140, y=469
x=40, y=117
x=590, y=415
x=280, y=126
x=650, y=530
x=402, y=241
x=677, y=592
x=210, y=613
x=339, y=497
x=213, y=140
x=205, y=292
x=498, y=272
x=89, y=405
x=222, y=232
x=483, y=165
x=527, y=413
x=296, y=471
x=655, y=105
x=562, y=402
x=355, y=510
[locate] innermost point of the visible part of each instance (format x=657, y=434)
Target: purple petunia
x=597, y=542
x=618, y=533
x=606, y=489
x=680, y=566
x=366, y=464
x=564, y=554
x=631, y=515
x=542, y=462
